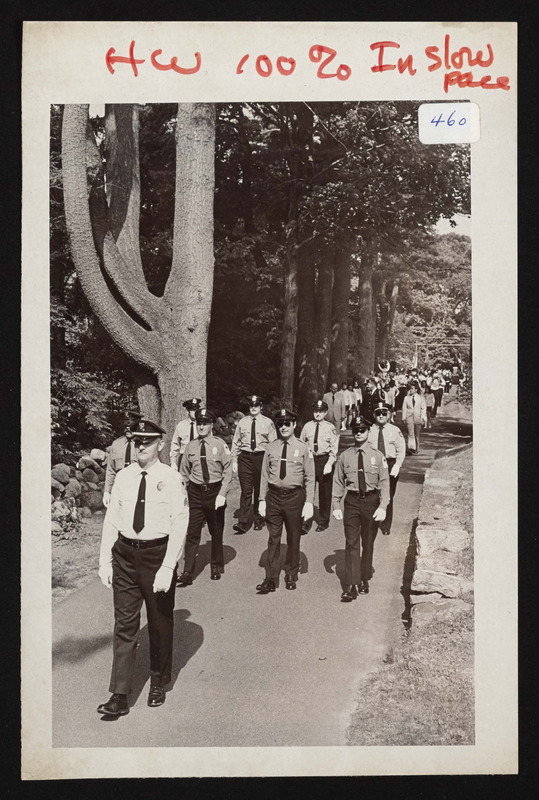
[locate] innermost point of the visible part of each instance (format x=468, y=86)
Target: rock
x=72, y=471
x=78, y=474
x=439, y=561
x=89, y=475
x=427, y=581
x=56, y=528
x=424, y=598
x=60, y=510
x=92, y=499
x=70, y=501
x=429, y=539
x=99, y=513
x=442, y=610
x=91, y=485
x=57, y=485
x=84, y=512
x=73, y=488
x=87, y=462
x=98, y=455
x=61, y=472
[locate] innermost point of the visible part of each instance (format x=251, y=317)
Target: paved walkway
x=274, y=670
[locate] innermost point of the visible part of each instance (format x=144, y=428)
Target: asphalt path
x=281, y=669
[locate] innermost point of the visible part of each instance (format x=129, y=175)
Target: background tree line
x=220, y=250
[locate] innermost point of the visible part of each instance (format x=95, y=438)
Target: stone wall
x=77, y=491
x=438, y=586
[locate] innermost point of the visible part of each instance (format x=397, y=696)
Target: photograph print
x=261, y=432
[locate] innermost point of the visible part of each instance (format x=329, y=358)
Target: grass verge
x=424, y=692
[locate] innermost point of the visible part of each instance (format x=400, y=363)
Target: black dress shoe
x=386, y=533
x=349, y=594
x=267, y=585
x=156, y=696
x=238, y=528
x=115, y=707
x=322, y=526
x=289, y=582
x=364, y=587
x=259, y=524
x=215, y=573
x=185, y=579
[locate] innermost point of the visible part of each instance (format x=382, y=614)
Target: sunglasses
x=284, y=424
x=360, y=430
x=380, y=413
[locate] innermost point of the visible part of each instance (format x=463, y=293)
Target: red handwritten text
x=111, y=58
x=402, y=64
x=455, y=60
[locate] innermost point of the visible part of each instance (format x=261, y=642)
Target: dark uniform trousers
x=393, y=480
x=359, y=532
x=438, y=395
x=325, y=484
x=249, y=472
x=284, y=505
x=133, y=573
x=202, y=507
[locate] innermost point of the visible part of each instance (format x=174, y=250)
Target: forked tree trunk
x=338, y=362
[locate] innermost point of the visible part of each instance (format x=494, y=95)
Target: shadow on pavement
x=188, y=637
x=303, y=563
x=204, y=557
x=334, y=564
x=71, y=650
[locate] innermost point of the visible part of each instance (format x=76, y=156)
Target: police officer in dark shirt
x=287, y=484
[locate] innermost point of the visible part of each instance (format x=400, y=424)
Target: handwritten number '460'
x=449, y=121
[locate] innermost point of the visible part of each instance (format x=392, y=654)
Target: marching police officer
x=121, y=454
x=207, y=471
x=361, y=472
x=388, y=439
x=252, y=436
x=287, y=484
x=323, y=442
x=185, y=432
x=143, y=536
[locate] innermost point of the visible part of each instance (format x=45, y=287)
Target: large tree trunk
x=166, y=336
x=367, y=322
x=387, y=304
x=338, y=362
x=290, y=321
x=307, y=360
x=324, y=288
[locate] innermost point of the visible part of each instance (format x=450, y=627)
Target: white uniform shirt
x=265, y=433
x=180, y=439
x=165, y=510
x=328, y=439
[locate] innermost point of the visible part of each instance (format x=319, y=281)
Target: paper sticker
x=448, y=123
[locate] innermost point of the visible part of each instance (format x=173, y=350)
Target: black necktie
x=192, y=432
x=127, y=459
x=333, y=396
x=360, y=473
x=315, y=443
x=203, y=462
x=381, y=445
x=282, y=470
x=138, y=516
x=253, y=435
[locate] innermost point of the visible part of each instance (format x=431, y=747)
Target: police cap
x=203, y=416
x=192, y=404
x=145, y=428
x=254, y=400
x=284, y=415
x=319, y=405
x=359, y=422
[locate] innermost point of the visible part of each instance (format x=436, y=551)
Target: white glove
x=105, y=574
x=262, y=508
x=379, y=515
x=235, y=467
x=395, y=469
x=337, y=514
x=327, y=468
x=106, y=499
x=307, y=511
x=220, y=500
x=163, y=579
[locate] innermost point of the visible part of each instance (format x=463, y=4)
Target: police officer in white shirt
x=143, y=537
x=323, y=441
x=388, y=439
x=185, y=432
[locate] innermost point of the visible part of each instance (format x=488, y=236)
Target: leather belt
x=142, y=544
x=252, y=452
x=282, y=490
x=205, y=487
x=362, y=495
